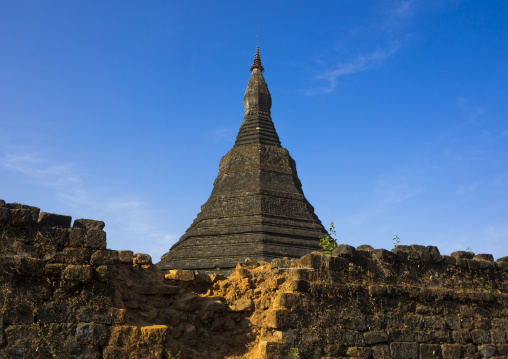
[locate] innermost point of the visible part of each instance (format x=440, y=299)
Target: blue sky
x=394, y=111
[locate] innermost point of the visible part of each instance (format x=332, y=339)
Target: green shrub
x=328, y=241
x=396, y=241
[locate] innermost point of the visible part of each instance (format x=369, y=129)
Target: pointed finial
x=257, y=37
x=257, y=62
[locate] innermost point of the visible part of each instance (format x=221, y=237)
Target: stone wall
x=409, y=303
x=64, y=295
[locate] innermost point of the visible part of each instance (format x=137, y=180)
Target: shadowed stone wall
x=64, y=295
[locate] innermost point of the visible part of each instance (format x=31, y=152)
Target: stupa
x=257, y=208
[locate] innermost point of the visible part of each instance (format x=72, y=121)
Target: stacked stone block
x=409, y=303
x=64, y=294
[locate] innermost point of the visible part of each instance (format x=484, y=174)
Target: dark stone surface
x=257, y=208
x=55, y=220
x=484, y=257
x=88, y=224
x=33, y=210
x=462, y=255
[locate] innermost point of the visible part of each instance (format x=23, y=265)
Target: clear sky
x=395, y=112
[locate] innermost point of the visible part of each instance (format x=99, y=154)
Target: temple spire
x=257, y=126
x=257, y=61
x=257, y=208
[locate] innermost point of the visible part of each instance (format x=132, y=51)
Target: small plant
x=170, y=356
x=40, y=331
x=5, y=293
x=328, y=242
x=468, y=249
x=294, y=352
x=396, y=241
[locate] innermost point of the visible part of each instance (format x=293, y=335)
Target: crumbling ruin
x=63, y=294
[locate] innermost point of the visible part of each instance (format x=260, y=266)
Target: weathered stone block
x=96, y=239
x=462, y=262
x=188, y=302
x=286, y=300
x=345, y=251
x=215, y=306
x=52, y=237
x=312, y=260
x=404, y=350
x=72, y=255
x=499, y=323
x=375, y=337
x=125, y=257
x=380, y=352
x=54, y=220
x=18, y=338
x=487, y=351
x=430, y=351
x=502, y=350
x=56, y=312
x=91, y=334
x=270, y=350
x=29, y=267
x=498, y=337
x=96, y=315
x=243, y=305
x=469, y=350
x=461, y=336
x=462, y=255
x=384, y=255
x=479, y=336
x=378, y=290
x=278, y=318
x=202, y=279
x=300, y=274
x=19, y=311
x=360, y=352
x=452, y=322
x=399, y=335
x=434, y=323
x=33, y=210
x=449, y=260
x=180, y=275
x=484, y=257
x=78, y=273
x=439, y=336
x=336, y=264
x=88, y=224
x=299, y=286
x=54, y=270
x=142, y=259
x=451, y=351
x=118, y=316
x=104, y=256
x=350, y=337
x=20, y=217
x=365, y=247
x=103, y=273
x=5, y=215
x=77, y=237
